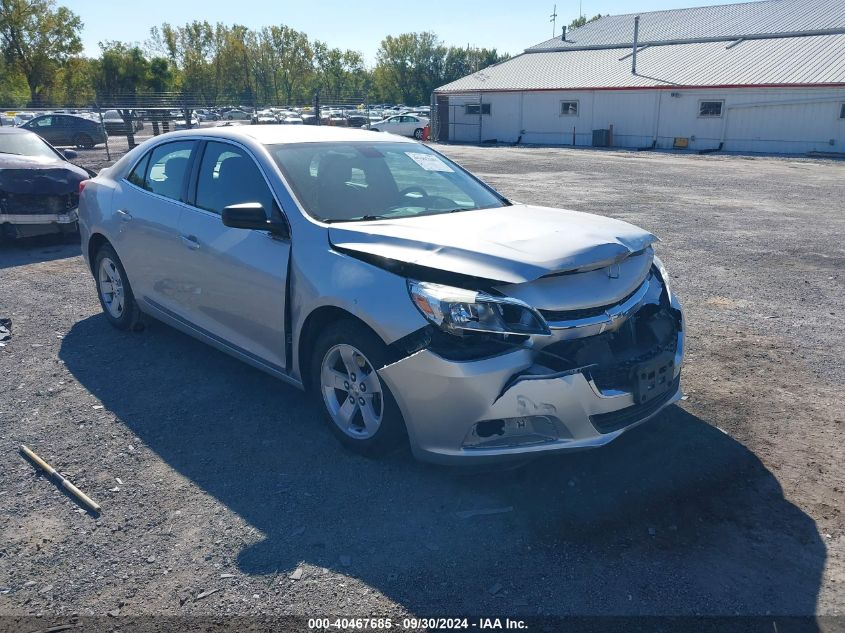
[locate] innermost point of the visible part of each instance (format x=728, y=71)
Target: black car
x=357, y=120
x=67, y=130
x=39, y=187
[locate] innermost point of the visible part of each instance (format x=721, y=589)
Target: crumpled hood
x=511, y=244
x=31, y=175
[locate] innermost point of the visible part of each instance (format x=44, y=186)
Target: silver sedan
x=412, y=300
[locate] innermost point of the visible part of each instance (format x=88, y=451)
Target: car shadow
x=675, y=517
x=40, y=248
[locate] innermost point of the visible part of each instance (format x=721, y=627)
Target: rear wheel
x=114, y=291
x=83, y=141
x=418, y=134
x=358, y=405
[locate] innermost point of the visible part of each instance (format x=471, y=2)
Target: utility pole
x=553, y=20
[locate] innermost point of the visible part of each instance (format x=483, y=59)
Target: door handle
x=191, y=241
x=123, y=215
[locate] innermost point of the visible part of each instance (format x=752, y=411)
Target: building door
x=442, y=131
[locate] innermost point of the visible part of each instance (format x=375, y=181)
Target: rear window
x=168, y=169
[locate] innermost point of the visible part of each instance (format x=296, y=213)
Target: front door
x=46, y=128
x=235, y=279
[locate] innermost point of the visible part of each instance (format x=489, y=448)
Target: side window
x=710, y=108
x=168, y=169
x=44, y=122
x=136, y=176
x=228, y=175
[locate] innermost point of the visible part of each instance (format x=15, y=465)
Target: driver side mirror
x=251, y=215
x=70, y=154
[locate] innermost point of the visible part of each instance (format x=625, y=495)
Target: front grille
x=33, y=204
x=573, y=315
x=615, y=420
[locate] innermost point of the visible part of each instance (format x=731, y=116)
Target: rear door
x=235, y=279
x=148, y=205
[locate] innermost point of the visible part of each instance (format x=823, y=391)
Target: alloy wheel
x=111, y=287
x=352, y=392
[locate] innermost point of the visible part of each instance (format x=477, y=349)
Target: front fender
x=330, y=279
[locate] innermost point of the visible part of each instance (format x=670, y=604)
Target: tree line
x=216, y=64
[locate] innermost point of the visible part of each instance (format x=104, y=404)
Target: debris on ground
x=80, y=496
x=205, y=594
x=5, y=331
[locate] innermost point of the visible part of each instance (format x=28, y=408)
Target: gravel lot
x=214, y=476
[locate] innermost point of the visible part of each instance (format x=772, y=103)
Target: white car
x=403, y=125
x=236, y=115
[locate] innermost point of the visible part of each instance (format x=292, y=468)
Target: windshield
x=25, y=145
x=344, y=182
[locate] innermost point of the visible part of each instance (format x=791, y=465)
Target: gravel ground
x=214, y=476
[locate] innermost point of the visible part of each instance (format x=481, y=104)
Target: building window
x=842, y=112
x=710, y=108
x=477, y=108
x=568, y=108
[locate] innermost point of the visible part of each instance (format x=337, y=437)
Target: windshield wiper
x=365, y=218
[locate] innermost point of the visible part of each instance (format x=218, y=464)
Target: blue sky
x=508, y=25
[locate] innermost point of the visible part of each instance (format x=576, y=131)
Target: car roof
x=272, y=135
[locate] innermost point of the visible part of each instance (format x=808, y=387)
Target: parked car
x=180, y=124
x=266, y=117
x=38, y=185
x=357, y=120
x=116, y=126
x=207, y=115
x=237, y=115
x=67, y=129
x=408, y=297
x=404, y=125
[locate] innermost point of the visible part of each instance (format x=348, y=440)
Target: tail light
x=82, y=184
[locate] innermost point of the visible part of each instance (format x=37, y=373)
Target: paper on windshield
x=429, y=162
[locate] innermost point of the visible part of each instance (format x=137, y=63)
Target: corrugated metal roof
x=730, y=20
x=785, y=61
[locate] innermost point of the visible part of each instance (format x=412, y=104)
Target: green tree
x=411, y=65
x=293, y=59
x=122, y=72
x=37, y=38
x=582, y=20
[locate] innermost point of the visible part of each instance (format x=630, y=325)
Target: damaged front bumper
x=531, y=400
x=30, y=224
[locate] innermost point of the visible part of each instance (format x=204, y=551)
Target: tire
x=375, y=129
x=386, y=427
x=83, y=141
x=109, y=272
x=418, y=134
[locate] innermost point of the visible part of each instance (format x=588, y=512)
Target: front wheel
x=418, y=134
x=357, y=404
x=114, y=291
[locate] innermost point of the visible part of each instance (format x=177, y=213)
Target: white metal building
x=753, y=77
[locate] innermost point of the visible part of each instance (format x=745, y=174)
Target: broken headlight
x=458, y=310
